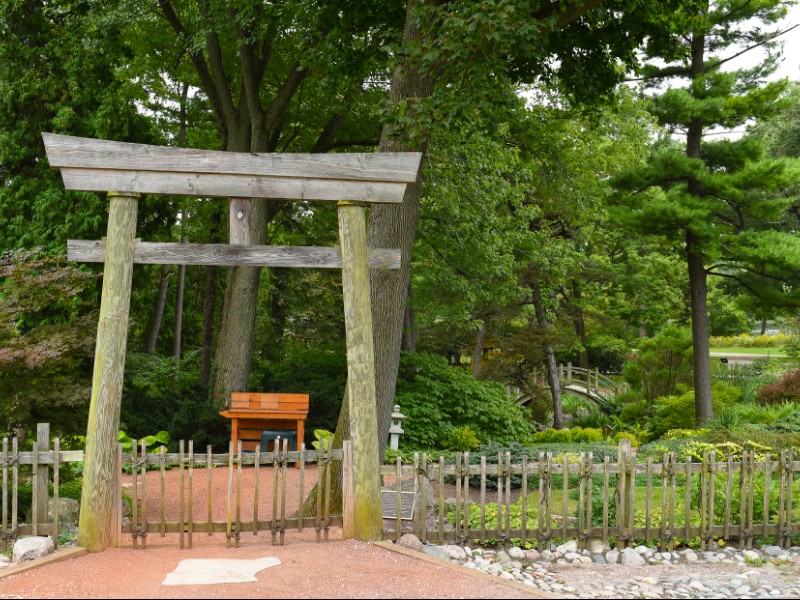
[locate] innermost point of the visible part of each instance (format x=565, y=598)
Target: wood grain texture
x=154, y=253
x=86, y=153
x=367, y=522
x=96, y=518
x=224, y=186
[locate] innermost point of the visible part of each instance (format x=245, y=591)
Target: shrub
x=787, y=389
x=461, y=439
x=557, y=436
x=745, y=340
x=624, y=435
x=436, y=397
x=633, y=413
x=587, y=435
x=678, y=412
x=591, y=420
x=662, y=365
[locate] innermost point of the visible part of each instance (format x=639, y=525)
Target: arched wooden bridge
x=588, y=383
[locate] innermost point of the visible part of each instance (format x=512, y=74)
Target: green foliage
x=46, y=342
x=436, y=397
x=591, y=420
x=624, y=435
x=322, y=439
x=634, y=412
x=556, y=436
x=152, y=443
x=588, y=435
x=678, y=412
x=461, y=439
x=746, y=340
x=160, y=393
x=662, y=365
x=492, y=519
x=748, y=378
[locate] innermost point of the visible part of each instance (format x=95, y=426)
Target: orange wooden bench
x=251, y=412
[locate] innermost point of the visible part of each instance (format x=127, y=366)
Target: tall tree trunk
x=209, y=307
x=234, y=354
x=394, y=226
x=704, y=409
x=763, y=325
x=580, y=325
x=178, y=329
x=550, y=355
x=698, y=291
x=158, y=310
x=409, y=343
x=477, y=353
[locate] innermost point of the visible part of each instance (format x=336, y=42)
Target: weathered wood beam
x=224, y=186
x=85, y=153
x=96, y=526
x=155, y=253
x=367, y=522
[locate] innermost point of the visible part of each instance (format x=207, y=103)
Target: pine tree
x=716, y=197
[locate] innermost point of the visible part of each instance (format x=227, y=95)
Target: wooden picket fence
x=196, y=483
x=34, y=467
x=639, y=502
x=660, y=501
x=169, y=476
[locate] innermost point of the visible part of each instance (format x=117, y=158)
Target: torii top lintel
x=99, y=165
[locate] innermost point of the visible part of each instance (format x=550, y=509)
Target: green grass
x=779, y=352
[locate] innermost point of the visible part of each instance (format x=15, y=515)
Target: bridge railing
x=591, y=379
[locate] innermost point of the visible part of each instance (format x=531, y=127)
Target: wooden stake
x=368, y=525
x=97, y=499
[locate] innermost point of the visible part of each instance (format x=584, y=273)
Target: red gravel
x=309, y=569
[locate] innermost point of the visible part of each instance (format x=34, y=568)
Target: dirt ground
x=309, y=569
x=338, y=569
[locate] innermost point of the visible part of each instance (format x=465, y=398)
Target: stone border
x=532, y=591
x=57, y=556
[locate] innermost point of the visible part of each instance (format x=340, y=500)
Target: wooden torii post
x=127, y=170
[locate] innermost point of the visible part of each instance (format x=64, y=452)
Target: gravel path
x=768, y=572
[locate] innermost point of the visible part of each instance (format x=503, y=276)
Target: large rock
x=570, y=546
x=630, y=558
x=598, y=546
x=29, y=548
x=410, y=541
x=455, y=552
x=69, y=511
x=436, y=552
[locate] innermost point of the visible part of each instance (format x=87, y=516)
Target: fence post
x=42, y=477
x=624, y=490
x=569, y=372
x=348, y=506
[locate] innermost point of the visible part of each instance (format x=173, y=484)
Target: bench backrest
x=269, y=401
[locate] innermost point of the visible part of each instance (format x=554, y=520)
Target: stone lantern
x=395, y=431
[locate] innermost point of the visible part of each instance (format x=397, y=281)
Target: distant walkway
x=742, y=359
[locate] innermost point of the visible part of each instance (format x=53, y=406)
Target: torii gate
x=127, y=170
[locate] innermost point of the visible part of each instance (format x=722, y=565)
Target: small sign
x=389, y=505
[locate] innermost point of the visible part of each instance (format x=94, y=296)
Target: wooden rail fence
x=31, y=469
x=190, y=477
x=488, y=499
x=269, y=467
x=654, y=501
